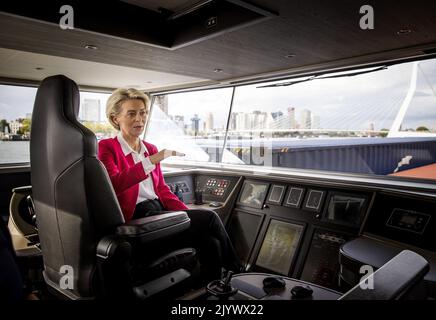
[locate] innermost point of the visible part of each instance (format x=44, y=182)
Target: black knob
x=228, y=278
x=222, y=289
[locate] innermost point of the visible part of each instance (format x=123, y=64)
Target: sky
x=341, y=103
x=16, y=102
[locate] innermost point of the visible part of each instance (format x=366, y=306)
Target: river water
x=14, y=152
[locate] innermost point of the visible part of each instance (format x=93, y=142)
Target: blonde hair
x=113, y=105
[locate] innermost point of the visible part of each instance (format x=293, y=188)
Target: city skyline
x=257, y=120
x=344, y=103
x=350, y=102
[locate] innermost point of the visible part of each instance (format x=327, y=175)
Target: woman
x=134, y=169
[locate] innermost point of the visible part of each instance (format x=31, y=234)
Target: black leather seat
x=88, y=249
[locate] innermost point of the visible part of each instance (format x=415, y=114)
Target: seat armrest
x=393, y=280
x=154, y=227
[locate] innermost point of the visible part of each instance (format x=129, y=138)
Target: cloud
x=15, y=102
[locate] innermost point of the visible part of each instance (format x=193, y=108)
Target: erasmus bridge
x=346, y=142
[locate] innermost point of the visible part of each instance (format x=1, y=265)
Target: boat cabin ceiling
x=170, y=43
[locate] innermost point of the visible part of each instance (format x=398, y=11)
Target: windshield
x=381, y=122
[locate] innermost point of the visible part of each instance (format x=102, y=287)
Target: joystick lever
x=222, y=289
x=227, y=279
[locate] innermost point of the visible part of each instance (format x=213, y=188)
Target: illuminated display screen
x=409, y=220
x=253, y=194
x=279, y=246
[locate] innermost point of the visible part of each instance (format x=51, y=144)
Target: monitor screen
x=346, y=209
x=314, y=200
x=276, y=194
x=253, y=194
x=279, y=246
x=243, y=228
x=294, y=197
x=322, y=262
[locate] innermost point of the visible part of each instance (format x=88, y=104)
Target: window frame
x=234, y=85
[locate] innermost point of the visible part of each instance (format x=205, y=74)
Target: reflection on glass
x=279, y=246
x=294, y=197
x=193, y=123
x=276, y=194
x=253, y=194
x=346, y=209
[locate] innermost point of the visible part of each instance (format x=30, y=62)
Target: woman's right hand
x=163, y=154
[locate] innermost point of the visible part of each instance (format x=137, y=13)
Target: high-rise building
x=208, y=125
x=242, y=120
x=248, y=121
x=259, y=120
x=305, y=122
x=291, y=117
x=279, y=121
x=233, y=120
x=195, y=123
x=277, y=115
x=90, y=110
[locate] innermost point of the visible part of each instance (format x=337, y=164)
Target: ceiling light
x=91, y=47
x=217, y=70
x=289, y=56
x=39, y=68
x=404, y=31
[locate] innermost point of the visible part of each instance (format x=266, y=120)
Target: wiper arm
x=321, y=76
x=288, y=83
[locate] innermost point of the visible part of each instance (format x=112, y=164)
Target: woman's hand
x=163, y=154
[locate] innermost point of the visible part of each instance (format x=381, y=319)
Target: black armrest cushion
x=393, y=279
x=154, y=227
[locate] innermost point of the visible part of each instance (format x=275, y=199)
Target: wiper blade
x=288, y=83
x=321, y=76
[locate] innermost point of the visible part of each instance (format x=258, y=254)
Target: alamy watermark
x=67, y=280
x=367, y=280
x=67, y=20
x=367, y=20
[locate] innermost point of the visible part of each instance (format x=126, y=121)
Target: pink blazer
x=126, y=176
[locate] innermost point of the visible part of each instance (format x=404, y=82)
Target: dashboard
x=296, y=227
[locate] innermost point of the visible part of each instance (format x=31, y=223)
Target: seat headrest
x=65, y=91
